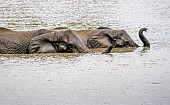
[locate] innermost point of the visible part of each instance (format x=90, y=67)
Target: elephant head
x=122, y=39
x=115, y=38
x=57, y=41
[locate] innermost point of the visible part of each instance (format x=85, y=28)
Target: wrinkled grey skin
x=105, y=37
x=82, y=35
x=40, y=41
x=17, y=42
x=57, y=42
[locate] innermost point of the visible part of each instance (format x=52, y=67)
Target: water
x=124, y=77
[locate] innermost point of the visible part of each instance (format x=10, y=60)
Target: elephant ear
x=112, y=40
x=42, y=43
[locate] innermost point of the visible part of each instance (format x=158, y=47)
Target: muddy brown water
x=124, y=77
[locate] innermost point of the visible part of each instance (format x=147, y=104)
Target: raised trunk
x=143, y=38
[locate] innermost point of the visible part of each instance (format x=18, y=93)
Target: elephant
x=60, y=41
x=41, y=41
x=114, y=38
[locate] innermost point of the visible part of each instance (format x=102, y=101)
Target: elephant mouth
x=121, y=43
x=63, y=47
x=69, y=48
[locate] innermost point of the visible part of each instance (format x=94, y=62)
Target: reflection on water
x=124, y=77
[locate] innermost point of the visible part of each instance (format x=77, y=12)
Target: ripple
x=87, y=79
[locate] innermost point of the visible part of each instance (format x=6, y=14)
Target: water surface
x=124, y=77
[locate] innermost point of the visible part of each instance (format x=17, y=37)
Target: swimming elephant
x=59, y=41
x=117, y=38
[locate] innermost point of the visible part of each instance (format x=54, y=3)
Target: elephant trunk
x=82, y=49
x=108, y=49
x=143, y=38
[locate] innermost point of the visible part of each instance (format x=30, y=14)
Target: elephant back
x=4, y=30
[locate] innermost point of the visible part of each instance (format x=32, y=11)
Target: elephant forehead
x=43, y=31
x=111, y=32
x=68, y=36
x=53, y=36
x=123, y=34
x=60, y=36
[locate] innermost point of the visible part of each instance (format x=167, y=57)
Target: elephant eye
x=121, y=34
x=126, y=43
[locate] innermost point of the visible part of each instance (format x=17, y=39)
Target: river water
x=124, y=77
